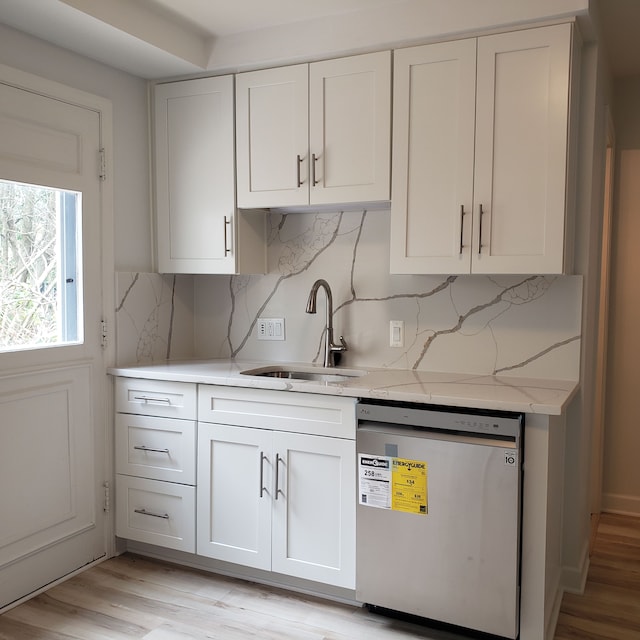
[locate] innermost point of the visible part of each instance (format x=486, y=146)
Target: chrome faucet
x=330, y=349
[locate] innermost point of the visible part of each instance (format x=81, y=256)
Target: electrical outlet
x=270, y=328
x=396, y=333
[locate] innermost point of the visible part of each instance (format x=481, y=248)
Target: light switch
x=396, y=333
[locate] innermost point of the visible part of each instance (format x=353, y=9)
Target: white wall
x=130, y=144
x=621, y=490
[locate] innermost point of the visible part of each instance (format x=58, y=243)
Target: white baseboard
x=574, y=578
x=622, y=504
x=554, y=613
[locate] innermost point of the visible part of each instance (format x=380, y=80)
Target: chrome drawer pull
x=143, y=448
x=480, y=231
x=144, y=512
x=278, y=490
x=146, y=399
x=298, y=176
x=262, y=487
x=227, y=223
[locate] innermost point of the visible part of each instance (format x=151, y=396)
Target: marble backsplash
x=517, y=325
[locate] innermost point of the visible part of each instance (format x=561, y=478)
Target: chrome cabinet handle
x=144, y=512
x=298, y=165
x=262, y=459
x=227, y=222
x=143, y=448
x=462, y=212
x=277, y=491
x=146, y=399
x=480, y=232
x=314, y=159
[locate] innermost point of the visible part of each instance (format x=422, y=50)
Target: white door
x=314, y=514
x=521, y=151
x=195, y=182
x=433, y=131
x=234, y=494
x=52, y=390
x=350, y=129
x=272, y=115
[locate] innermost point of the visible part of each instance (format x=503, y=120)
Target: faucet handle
x=340, y=347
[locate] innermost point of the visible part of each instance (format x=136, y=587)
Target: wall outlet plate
x=396, y=333
x=270, y=328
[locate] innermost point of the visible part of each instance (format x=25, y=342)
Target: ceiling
x=162, y=38
x=219, y=18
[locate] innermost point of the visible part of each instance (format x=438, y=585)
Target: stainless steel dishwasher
x=438, y=514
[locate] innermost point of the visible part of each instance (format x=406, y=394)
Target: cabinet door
x=314, y=514
x=194, y=176
x=234, y=494
x=272, y=137
x=350, y=129
x=433, y=137
x=521, y=151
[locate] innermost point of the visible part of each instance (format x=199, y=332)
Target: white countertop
x=528, y=395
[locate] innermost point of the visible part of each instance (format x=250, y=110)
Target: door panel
x=434, y=118
x=349, y=128
x=314, y=515
x=521, y=150
x=52, y=409
x=234, y=513
x=271, y=134
x=43, y=458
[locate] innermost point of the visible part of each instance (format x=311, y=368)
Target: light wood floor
x=610, y=605
x=132, y=597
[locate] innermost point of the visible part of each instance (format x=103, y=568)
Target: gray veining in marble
x=154, y=317
x=524, y=325
x=516, y=325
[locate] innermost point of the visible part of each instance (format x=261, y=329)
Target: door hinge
x=103, y=334
x=102, y=164
x=107, y=497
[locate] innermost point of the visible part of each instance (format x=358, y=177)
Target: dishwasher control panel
x=445, y=418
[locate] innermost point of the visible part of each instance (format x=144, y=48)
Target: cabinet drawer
x=156, y=398
x=156, y=448
x=277, y=410
x=161, y=513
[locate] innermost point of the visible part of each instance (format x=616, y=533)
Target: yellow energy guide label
x=393, y=483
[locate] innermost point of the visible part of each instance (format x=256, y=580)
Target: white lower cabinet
x=278, y=500
x=156, y=462
x=275, y=482
x=156, y=512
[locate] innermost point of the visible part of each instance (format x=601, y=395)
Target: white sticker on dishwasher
x=374, y=480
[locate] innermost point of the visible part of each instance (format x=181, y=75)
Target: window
x=40, y=266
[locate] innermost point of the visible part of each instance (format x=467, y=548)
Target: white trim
x=46, y=587
x=621, y=504
x=550, y=631
x=574, y=579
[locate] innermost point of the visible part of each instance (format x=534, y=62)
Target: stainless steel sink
x=316, y=374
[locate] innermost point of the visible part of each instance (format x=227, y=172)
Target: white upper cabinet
x=315, y=134
x=197, y=225
x=433, y=129
x=480, y=180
